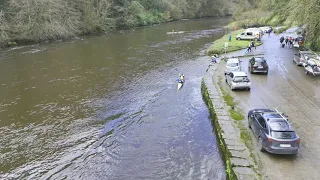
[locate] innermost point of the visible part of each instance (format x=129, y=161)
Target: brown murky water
x=107, y=107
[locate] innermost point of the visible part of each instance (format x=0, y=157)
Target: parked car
x=302, y=57
x=266, y=29
x=258, y=65
x=273, y=131
x=233, y=64
x=248, y=35
x=238, y=80
x=257, y=30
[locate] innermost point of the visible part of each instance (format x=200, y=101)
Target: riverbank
x=23, y=23
x=217, y=46
x=231, y=136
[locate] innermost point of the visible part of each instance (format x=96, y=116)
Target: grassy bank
x=226, y=155
x=218, y=46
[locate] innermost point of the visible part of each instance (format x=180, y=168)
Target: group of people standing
x=289, y=41
x=286, y=41
x=250, y=46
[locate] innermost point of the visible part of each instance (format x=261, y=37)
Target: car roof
x=259, y=57
x=279, y=124
x=239, y=73
x=233, y=60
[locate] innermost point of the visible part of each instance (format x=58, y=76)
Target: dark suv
x=258, y=65
x=273, y=131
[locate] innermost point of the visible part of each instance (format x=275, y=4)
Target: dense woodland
x=40, y=20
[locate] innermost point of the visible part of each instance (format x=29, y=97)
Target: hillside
x=40, y=20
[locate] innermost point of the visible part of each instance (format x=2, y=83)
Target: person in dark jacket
x=281, y=39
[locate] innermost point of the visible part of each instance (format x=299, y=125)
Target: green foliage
x=236, y=115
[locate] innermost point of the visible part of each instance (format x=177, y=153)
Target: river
x=107, y=107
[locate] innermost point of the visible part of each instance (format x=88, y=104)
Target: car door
x=262, y=127
x=255, y=123
x=296, y=58
x=257, y=127
x=229, y=78
x=250, y=64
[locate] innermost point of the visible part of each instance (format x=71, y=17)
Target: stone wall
x=239, y=163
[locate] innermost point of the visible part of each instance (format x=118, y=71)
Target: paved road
x=294, y=93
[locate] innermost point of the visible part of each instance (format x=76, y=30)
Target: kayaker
x=182, y=77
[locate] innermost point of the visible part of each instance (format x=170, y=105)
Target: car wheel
x=232, y=88
x=261, y=148
x=238, y=39
x=267, y=72
x=249, y=89
x=307, y=72
x=249, y=125
x=226, y=81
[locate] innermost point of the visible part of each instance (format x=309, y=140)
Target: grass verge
x=226, y=155
x=238, y=116
x=229, y=100
x=218, y=45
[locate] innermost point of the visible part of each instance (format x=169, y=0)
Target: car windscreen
x=283, y=134
x=241, y=79
x=233, y=64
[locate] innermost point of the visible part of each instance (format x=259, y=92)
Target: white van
x=233, y=64
x=248, y=35
x=255, y=30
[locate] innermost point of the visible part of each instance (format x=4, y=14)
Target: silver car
x=233, y=64
x=238, y=80
x=302, y=57
x=273, y=131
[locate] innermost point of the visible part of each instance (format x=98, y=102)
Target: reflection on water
x=107, y=107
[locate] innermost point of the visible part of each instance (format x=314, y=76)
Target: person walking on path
x=230, y=37
x=286, y=40
x=249, y=48
x=281, y=39
x=252, y=45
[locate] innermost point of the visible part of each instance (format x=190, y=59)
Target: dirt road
x=287, y=88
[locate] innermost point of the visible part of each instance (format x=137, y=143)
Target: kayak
x=179, y=32
x=180, y=84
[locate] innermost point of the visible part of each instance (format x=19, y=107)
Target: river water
x=107, y=107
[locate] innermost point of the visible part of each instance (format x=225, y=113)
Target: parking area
x=289, y=89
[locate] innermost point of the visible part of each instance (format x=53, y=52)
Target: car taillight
x=270, y=140
x=254, y=66
x=298, y=141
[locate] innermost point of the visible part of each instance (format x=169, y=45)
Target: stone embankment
x=239, y=161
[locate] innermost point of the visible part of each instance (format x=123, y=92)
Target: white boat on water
x=180, y=84
x=177, y=32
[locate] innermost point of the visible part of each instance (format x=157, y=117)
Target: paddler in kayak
x=181, y=78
